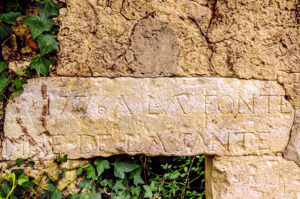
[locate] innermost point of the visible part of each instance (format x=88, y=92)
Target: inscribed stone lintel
x=87, y=117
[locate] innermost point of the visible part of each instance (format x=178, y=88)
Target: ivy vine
x=117, y=177
x=42, y=39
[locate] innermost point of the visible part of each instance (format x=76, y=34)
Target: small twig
x=156, y=174
x=13, y=187
x=187, y=177
x=77, y=167
x=191, y=181
x=45, y=174
x=4, y=96
x=74, y=193
x=40, y=186
x=144, y=169
x=107, y=193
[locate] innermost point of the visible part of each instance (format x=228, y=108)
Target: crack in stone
x=94, y=10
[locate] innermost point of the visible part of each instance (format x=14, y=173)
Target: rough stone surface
x=243, y=38
x=255, y=177
x=292, y=151
x=86, y=117
x=49, y=166
x=154, y=49
x=247, y=122
x=291, y=84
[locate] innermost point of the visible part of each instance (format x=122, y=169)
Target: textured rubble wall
x=244, y=39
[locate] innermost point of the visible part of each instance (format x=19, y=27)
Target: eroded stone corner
x=257, y=177
x=291, y=84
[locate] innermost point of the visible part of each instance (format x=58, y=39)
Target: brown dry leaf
x=10, y=49
x=35, y=11
x=33, y=45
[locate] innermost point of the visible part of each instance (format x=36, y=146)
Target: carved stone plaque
x=87, y=117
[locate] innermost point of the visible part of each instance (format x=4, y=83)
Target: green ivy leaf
x=29, y=72
x=19, y=82
x=120, y=168
x=62, y=159
x=150, y=189
x=154, y=185
x=136, y=176
x=119, y=186
x=41, y=64
x=14, y=90
x=172, y=176
x=54, y=193
x=37, y=24
x=27, y=185
x=3, y=66
x=85, y=184
x=10, y=17
x=18, y=85
x=106, y=182
x=5, y=188
x=20, y=72
x=101, y=166
x=91, y=195
x=91, y=172
x=4, y=81
x=73, y=196
x=22, y=179
x=47, y=43
x=148, y=192
x=47, y=8
x=31, y=163
x=79, y=172
x=136, y=190
x=18, y=172
x=19, y=161
x=5, y=30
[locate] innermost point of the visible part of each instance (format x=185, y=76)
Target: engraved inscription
x=163, y=116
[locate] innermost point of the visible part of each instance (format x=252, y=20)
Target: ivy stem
x=187, y=178
x=13, y=187
x=75, y=193
x=77, y=167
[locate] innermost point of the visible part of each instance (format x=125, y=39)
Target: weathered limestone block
x=291, y=84
x=292, y=151
x=255, y=177
x=242, y=38
x=87, y=117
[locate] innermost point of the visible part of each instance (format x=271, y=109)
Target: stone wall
x=173, y=77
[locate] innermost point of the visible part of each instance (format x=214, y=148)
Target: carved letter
x=249, y=108
x=154, y=107
x=210, y=104
x=226, y=104
x=87, y=144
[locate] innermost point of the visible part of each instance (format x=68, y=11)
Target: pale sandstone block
x=255, y=177
x=291, y=85
x=292, y=151
x=87, y=117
